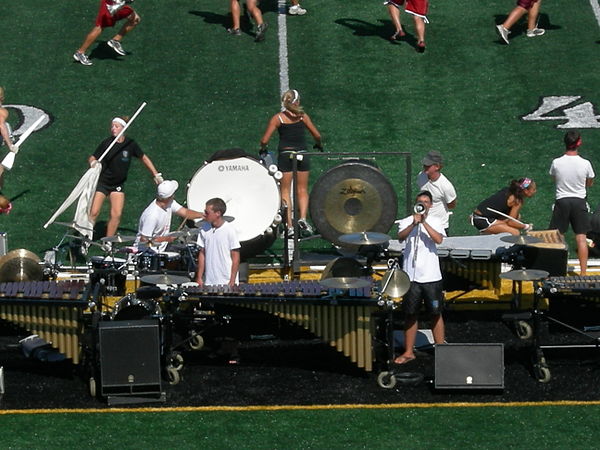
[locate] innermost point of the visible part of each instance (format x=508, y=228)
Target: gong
x=350, y=198
x=20, y=265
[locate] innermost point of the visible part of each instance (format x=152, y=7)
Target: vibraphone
x=50, y=309
x=580, y=286
x=342, y=318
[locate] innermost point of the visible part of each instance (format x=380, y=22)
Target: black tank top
x=497, y=202
x=292, y=136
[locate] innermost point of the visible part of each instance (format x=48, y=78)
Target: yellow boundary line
x=299, y=407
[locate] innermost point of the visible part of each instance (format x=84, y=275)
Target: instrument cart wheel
x=173, y=375
x=176, y=361
x=542, y=374
x=523, y=329
x=92, y=386
x=386, y=380
x=196, y=341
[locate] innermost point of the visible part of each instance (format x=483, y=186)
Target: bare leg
x=420, y=28
x=514, y=16
x=89, y=39
x=582, y=252
x=438, y=329
x=502, y=227
x=532, y=18
x=410, y=336
x=117, y=202
x=254, y=11
x=286, y=186
x=235, y=14
x=302, y=190
x=97, y=202
x=131, y=23
x=395, y=16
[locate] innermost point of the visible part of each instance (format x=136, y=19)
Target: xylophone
x=343, y=318
x=50, y=309
x=580, y=286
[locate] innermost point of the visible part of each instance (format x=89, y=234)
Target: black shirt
x=498, y=201
x=115, y=164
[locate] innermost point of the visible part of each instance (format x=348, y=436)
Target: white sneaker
x=117, y=47
x=297, y=10
x=503, y=32
x=535, y=32
x=82, y=58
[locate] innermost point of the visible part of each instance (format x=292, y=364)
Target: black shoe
x=260, y=33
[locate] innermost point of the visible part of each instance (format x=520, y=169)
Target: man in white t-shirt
x=572, y=175
x=422, y=235
x=155, y=221
x=442, y=191
x=219, y=255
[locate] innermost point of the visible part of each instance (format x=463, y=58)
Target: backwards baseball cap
x=167, y=188
x=433, y=157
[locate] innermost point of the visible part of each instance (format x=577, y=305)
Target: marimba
x=342, y=318
x=50, y=309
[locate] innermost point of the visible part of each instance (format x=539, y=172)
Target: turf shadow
x=103, y=51
x=363, y=28
x=520, y=27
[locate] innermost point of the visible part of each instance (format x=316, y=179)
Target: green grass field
x=207, y=91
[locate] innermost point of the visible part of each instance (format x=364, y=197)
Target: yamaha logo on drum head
x=234, y=168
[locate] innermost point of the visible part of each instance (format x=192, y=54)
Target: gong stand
x=295, y=261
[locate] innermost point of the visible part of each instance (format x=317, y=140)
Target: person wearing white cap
x=5, y=134
x=155, y=221
x=115, y=167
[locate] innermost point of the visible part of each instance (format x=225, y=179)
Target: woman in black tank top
x=291, y=124
x=508, y=201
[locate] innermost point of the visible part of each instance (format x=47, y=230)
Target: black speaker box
x=130, y=359
x=552, y=260
x=469, y=366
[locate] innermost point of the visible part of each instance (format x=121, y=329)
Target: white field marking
x=284, y=79
x=596, y=9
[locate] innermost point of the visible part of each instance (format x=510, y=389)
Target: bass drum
x=251, y=194
x=131, y=307
x=350, y=198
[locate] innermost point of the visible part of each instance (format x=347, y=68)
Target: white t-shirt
x=156, y=221
x=570, y=173
x=442, y=191
x=218, y=244
x=425, y=267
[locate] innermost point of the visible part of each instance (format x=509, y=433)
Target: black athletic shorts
x=284, y=162
x=571, y=210
x=431, y=294
x=106, y=189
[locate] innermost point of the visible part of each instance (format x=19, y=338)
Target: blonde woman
x=291, y=124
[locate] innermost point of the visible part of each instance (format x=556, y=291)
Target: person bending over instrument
x=155, y=221
x=115, y=167
x=219, y=254
x=508, y=202
x=422, y=235
x=291, y=123
x=109, y=13
x=5, y=134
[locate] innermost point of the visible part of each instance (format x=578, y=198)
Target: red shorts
x=416, y=7
x=105, y=20
x=526, y=4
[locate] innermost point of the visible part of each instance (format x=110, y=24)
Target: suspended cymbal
x=520, y=239
x=364, y=238
x=165, y=279
x=395, y=283
x=20, y=265
x=73, y=225
x=118, y=239
x=350, y=198
x=525, y=275
x=344, y=283
x=176, y=234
